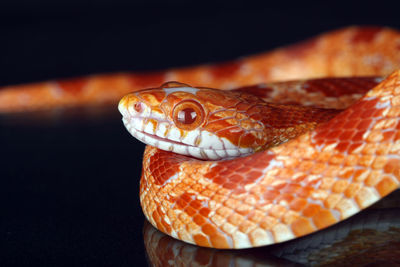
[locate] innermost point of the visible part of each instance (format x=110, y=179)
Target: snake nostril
x=138, y=106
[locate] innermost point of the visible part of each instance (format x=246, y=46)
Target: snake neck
x=282, y=123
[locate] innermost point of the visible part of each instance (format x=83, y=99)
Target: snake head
x=203, y=123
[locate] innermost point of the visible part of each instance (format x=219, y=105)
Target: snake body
x=352, y=51
x=309, y=183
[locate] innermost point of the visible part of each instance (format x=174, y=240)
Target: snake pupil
x=187, y=116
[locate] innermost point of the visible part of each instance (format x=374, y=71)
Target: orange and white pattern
x=288, y=191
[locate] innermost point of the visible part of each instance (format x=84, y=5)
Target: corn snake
x=88, y=87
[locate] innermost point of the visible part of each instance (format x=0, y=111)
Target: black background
x=69, y=180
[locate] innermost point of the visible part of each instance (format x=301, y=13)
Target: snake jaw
x=189, y=144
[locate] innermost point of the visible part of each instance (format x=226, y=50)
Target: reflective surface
x=371, y=238
x=69, y=195
x=69, y=190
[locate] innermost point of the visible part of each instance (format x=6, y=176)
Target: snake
x=224, y=169
x=260, y=182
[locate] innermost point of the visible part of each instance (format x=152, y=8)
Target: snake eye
x=188, y=115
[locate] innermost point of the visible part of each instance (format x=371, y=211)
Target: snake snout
x=130, y=105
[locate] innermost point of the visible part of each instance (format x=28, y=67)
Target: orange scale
x=205, y=211
x=252, y=176
x=377, y=112
x=339, y=124
x=332, y=200
x=217, y=168
x=282, y=172
x=323, y=218
x=244, y=169
x=190, y=211
x=268, y=222
x=226, y=173
x=270, y=194
x=379, y=162
x=305, y=166
x=290, y=217
x=394, y=113
x=366, y=160
x=372, y=178
x=346, y=172
x=235, y=219
x=196, y=187
x=181, y=203
x=196, y=204
x=260, y=160
x=354, y=113
x=219, y=180
x=291, y=188
x=201, y=240
x=342, y=146
x=246, y=226
x=302, y=226
x=386, y=186
x=247, y=140
x=315, y=182
x=318, y=168
x=323, y=156
x=257, y=117
x=352, y=190
x=369, y=148
x=244, y=209
x=166, y=226
x=369, y=104
x=231, y=186
x=255, y=216
x=388, y=136
x=340, y=186
x=187, y=197
x=392, y=167
x=288, y=198
x=333, y=134
x=232, y=166
x=354, y=146
x=298, y=204
x=199, y=220
x=311, y=209
x=277, y=211
x=364, y=125
x=254, y=110
x=235, y=178
x=219, y=241
x=346, y=135
x=350, y=124
x=368, y=113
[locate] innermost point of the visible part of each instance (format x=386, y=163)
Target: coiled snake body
x=292, y=189
x=311, y=175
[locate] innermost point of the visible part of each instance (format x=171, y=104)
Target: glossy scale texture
x=291, y=190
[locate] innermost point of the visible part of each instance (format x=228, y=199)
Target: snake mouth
x=178, y=147
x=161, y=139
